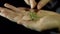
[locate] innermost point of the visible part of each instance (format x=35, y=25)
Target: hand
x=47, y=19
x=33, y=3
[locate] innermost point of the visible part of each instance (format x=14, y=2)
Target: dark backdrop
x=7, y=26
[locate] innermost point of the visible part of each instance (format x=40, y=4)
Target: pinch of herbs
x=33, y=16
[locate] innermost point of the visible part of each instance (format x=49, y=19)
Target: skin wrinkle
x=39, y=25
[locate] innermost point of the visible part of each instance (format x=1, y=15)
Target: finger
x=7, y=13
x=16, y=10
x=23, y=8
x=42, y=3
x=27, y=2
x=12, y=7
x=32, y=3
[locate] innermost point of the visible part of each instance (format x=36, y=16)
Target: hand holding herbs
x=40, y=21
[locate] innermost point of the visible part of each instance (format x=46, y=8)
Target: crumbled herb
x=33, y=16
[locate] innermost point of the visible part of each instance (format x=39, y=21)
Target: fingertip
x=6, y=4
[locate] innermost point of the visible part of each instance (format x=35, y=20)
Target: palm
x=20, y=15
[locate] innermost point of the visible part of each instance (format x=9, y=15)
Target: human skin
x=40, y=4
x=47, y=20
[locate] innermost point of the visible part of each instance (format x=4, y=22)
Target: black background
x=7, y=26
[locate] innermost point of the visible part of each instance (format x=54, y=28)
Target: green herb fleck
x=33, y=16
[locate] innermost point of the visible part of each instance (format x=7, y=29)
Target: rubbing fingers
x=27, y=2
x=42, y=3
x=32, y=3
